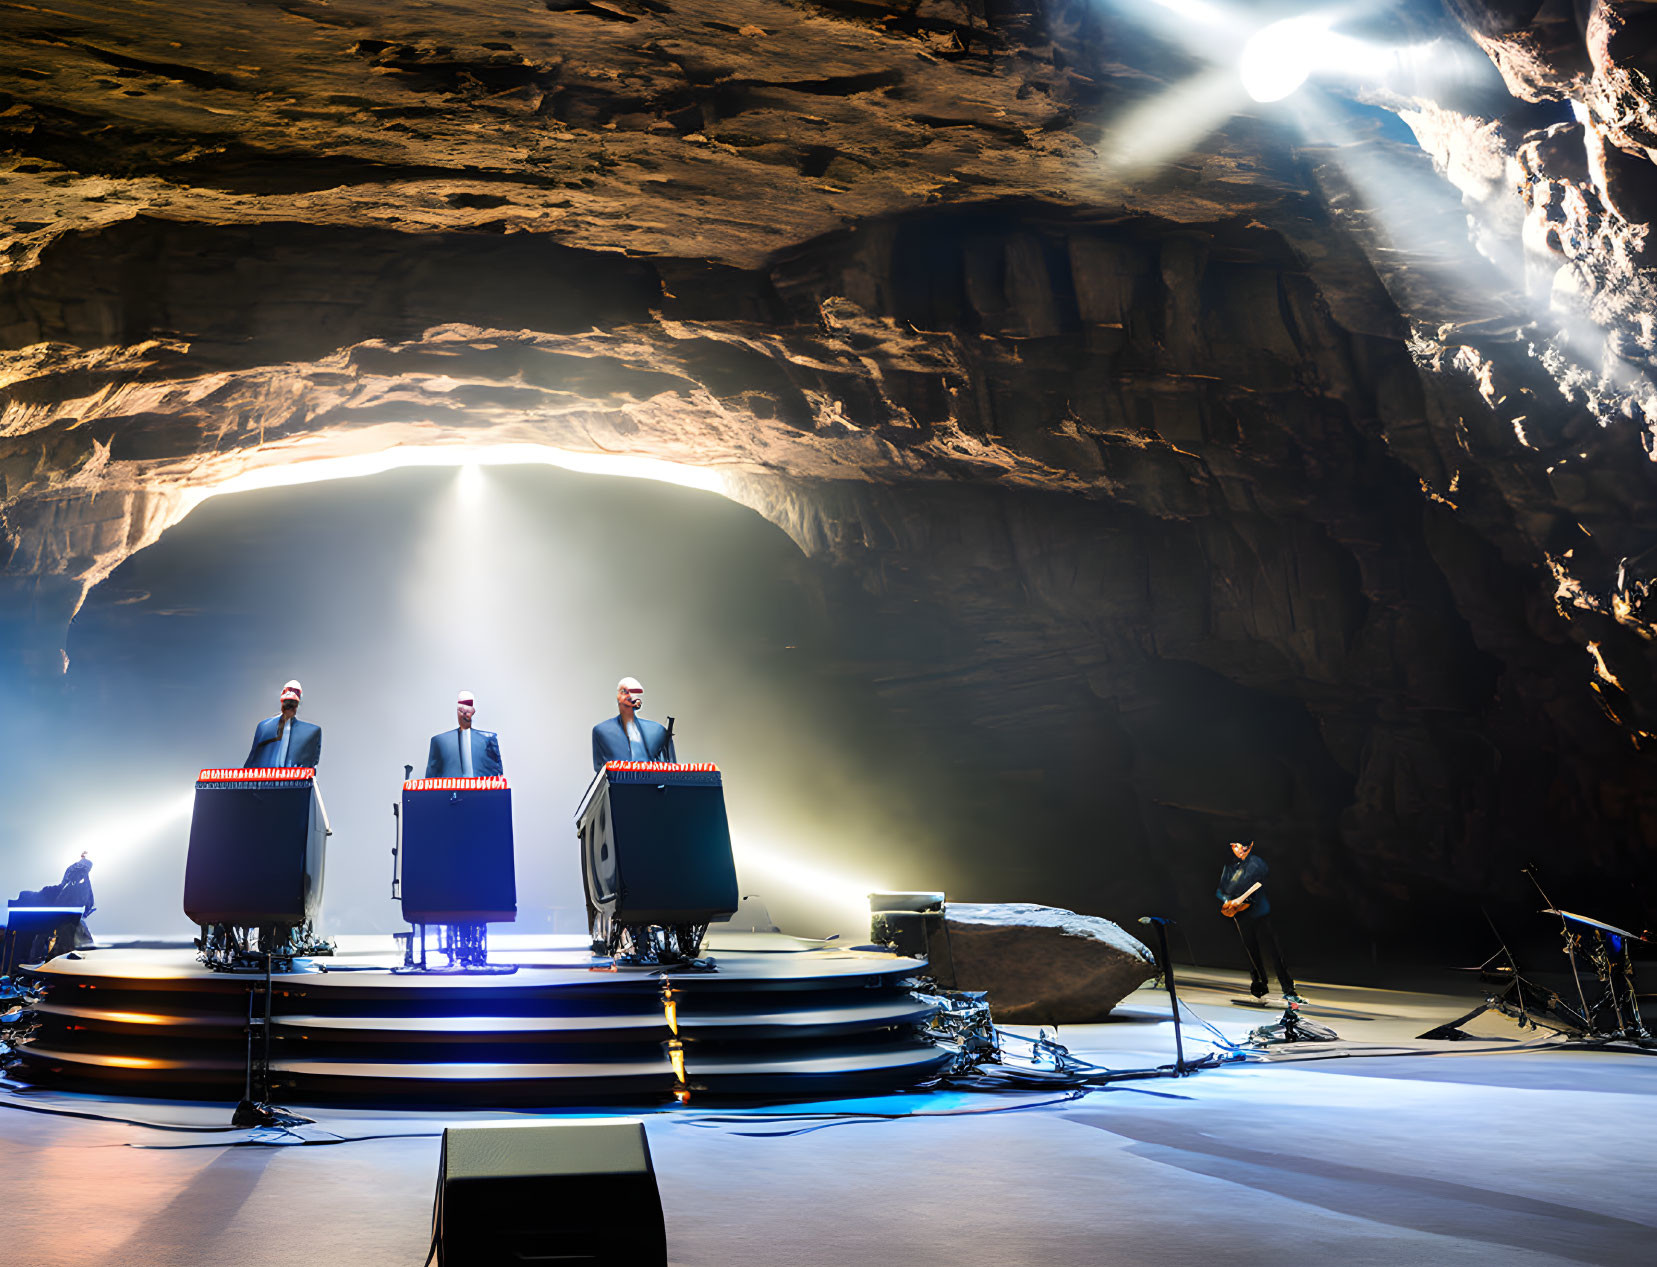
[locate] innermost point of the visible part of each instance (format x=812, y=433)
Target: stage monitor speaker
x=656, y=845
x=580, y=1191
x=256, y=848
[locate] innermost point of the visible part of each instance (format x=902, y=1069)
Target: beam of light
x=1407, y=202
x=469, y=485
x=115, y=842
x=1426, y=69
x=1210, y=30
x=289, y=466
x=1169, y=124
x=845, y=893
x=1192, y=10
x=462, y=563
x=1247, y=56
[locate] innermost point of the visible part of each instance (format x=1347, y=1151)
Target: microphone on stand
x=397, y=837
x=1167, y=969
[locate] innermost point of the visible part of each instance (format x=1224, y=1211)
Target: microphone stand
x=1162, y=922
x=397, y=878
x=397, y=840
x=1570, y=951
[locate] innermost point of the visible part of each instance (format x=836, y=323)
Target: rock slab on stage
x=1044, y=965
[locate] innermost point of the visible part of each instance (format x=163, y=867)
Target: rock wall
x=1254, y=506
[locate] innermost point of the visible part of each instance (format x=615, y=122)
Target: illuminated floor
x=1460, y=1156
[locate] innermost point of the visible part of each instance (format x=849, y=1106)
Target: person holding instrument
x=1242, y=898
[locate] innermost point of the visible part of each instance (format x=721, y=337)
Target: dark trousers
x=1257, y=936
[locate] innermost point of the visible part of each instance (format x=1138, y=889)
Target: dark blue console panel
x=457, y=852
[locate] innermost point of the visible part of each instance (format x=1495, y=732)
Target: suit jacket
x=304, y=749
x=610, y=742
x=443, y=759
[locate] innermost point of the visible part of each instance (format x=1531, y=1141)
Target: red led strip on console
x=660, y=767
x=488, y=783
x=275, y=774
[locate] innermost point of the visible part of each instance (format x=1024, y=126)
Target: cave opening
x=535, y=588
x=895, y=724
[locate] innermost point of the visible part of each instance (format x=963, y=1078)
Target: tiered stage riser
x=775, y=1025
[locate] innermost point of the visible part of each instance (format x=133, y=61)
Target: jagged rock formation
x=1257, y=505
x=1043, y=966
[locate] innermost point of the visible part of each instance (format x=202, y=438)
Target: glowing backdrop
x=533, y=587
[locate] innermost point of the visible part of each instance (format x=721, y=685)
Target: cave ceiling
x=1344, y=405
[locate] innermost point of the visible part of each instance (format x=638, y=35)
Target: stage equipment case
x=457, y=852
x=256, y=848
x=656, y=846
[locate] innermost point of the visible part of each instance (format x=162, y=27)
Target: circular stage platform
x=779, y=1017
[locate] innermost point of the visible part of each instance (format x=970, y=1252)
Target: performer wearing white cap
x=464, y=752
x=284, y=740
x=627, y=736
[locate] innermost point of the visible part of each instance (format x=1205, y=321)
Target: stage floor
x=1487, y=1152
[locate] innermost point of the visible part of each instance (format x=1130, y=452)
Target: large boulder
x=1043, y=965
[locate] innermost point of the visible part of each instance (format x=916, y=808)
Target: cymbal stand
x=1513, y=966
x=1605, y=969
x=1570, y=952
x=1638, y=1030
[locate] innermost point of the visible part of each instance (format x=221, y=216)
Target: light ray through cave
x=1295, y=57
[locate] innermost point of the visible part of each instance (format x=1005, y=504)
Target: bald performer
x=284, y=740
x=464, y=752
x=627, y=736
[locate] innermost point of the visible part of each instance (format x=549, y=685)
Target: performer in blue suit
x=464, y=752
x=284, y=740
x=627, y=736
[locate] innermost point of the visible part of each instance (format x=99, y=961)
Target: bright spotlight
x=469, y=484
x=1277, y=58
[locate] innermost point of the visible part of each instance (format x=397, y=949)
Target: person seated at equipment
x=284, y=740
x=75, y=889
x=464, y=752
x=627, y=736
x=1242, y=898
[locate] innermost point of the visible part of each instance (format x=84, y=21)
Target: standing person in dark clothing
x=1242, y=897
